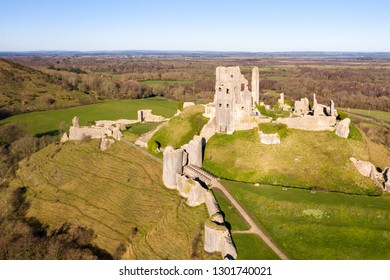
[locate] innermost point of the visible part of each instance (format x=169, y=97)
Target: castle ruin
x=234, y=103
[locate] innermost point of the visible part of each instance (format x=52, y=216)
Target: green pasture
x=318, y=225
x=51, y=121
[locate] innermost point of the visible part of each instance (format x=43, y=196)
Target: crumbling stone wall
x=310, y=123
x=194, y=150
x=217, y=236
x=301, y=107
x=172, y=165
x=147, y=116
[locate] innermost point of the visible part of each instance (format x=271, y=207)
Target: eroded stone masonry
x=182, y=171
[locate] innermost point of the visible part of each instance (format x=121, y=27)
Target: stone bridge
x=194, y=171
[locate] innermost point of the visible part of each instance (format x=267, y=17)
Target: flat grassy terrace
x=50, y=121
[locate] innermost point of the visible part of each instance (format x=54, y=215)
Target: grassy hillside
x=23, y=89
x=117, y=193
x=180, y=129
x=42, y=122
x=303, y=159
x=319, y=225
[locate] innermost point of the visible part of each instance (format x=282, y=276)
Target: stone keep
x=233, y=101
x=172, y=164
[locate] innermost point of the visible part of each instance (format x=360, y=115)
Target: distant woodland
x=361, y=84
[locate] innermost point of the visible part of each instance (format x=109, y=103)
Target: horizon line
x=189, y=51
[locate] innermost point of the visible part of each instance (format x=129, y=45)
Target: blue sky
x=246, y=25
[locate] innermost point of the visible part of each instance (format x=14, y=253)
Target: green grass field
x=251, y=247
x=303, y=159
x=162, y=82
x=119, y=194
x=318, y=225
x=232, y=217
x=180, y=129
x=136, y=130
x=381, y=115
x=46, y=121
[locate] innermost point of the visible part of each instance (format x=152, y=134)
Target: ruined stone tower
x=234, y=103
x=255, y=85
x=172, y=165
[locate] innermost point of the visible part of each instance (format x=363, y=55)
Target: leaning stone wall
x=217, y=235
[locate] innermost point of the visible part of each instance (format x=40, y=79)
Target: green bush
x=266, y=113
x=270, y=128
x=342, y=116
x=180, y=105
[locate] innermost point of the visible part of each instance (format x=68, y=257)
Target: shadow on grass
x=55, y=132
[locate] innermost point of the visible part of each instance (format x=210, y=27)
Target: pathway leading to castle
x=141, y=150
x=254, y=228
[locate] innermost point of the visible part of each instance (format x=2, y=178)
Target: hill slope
x=303, y=159
x=118, y=194
x=23, y=89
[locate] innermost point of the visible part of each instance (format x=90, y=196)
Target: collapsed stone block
x=188, y=104
x=219, y=239
x=386, y=179
x=269, y=139
x=364, y=167
x=342, y=128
